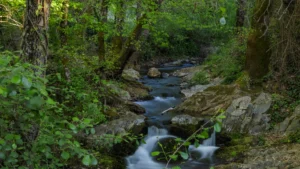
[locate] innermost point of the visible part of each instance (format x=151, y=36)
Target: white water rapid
x=142, y=158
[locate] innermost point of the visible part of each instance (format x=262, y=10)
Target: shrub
x=200, y=78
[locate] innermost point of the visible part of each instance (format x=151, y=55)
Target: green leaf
x=217, y=127
x=72, y=126
x=203, y=135
x=94, y=161
x=75, y=119
x=65, y=155
x=187, y=143
x=176, y=167
x=155, y=153
x=173, y=157
x=50, y=101
x=93, y=131
x=16, y=79
x=26, y=82
x=2, y=155
x=14, y=146
x=221, y=116
x=184, y=155
x=35, y=103
x=86, y=160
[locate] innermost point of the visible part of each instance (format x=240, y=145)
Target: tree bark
x=257, y=55
x=117, y=41
x=101, y=34
x=36, y=23
x=241, y=12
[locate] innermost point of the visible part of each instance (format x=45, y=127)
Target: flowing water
x=166, y=92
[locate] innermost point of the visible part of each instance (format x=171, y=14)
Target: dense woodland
x=60, y=58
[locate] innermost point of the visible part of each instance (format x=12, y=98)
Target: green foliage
x=228, y=61
x=33, y=129
x=294, y=137
x=281, y=108
x=200, y=78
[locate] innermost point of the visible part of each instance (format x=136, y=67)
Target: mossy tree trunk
x=128, y=48
x=257, y=54
x=36, y=23
x=117, y=41
x=240, y=13
x=64, y=38
x=101, y=34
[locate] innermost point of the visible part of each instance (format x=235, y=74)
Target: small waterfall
x=207, y=148
x=142, y=158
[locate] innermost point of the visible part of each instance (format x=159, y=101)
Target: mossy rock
x=108, y=162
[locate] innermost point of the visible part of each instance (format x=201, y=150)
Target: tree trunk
x=117, y=41
x=35, y=41
x=128, y=48
x=101, y=34
x=64, y=38
x=257, y=55
x=241, y=12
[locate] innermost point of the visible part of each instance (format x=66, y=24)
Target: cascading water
x=142, y=158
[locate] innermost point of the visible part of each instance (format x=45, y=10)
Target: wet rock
x=249, y=117
x=184, y=125
x=131, y=74
x=290, y=124
x=154, y=73
x=282, y=156
x=207, y=103
x=200, y=88
x=133, y=107
x=185, y=120
x=123, y=94
x=137, y=90
x=165, y=75
x=129, y=122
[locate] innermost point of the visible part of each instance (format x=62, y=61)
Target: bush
x=34, y=132
x=200, y=78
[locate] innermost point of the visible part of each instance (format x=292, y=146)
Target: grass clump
x=200, y=78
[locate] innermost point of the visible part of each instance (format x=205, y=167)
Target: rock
x=290, y=124
x=175, y=63
x=165, y=75
x=154, y=73
x=133, y=107
x=243, y=116
x=131, y=74
x=208, y=102
x=200, y=88
x=187, y=73
x=185, y=120
x=184, y=125
x=123, y=94
x=281, y=156
x=129, y=122
x=137, y=90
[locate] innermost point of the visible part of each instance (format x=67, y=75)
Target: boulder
x=165, y=75
x=123, y=94
x=200, y=88
x=207, y=103
x=290, y=124
x=154, y=73
x=244, y=116
x=131, y=74
x=137, y=90
x=128, y=122
x=133, y=107
x=281, y=156
x=185, y=125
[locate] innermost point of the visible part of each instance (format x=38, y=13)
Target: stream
x=166, y=93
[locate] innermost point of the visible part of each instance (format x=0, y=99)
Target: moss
x=108, y=162
x=243, y=81
x=235, y=149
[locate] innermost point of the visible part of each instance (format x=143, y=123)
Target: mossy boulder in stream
x=207, y=103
